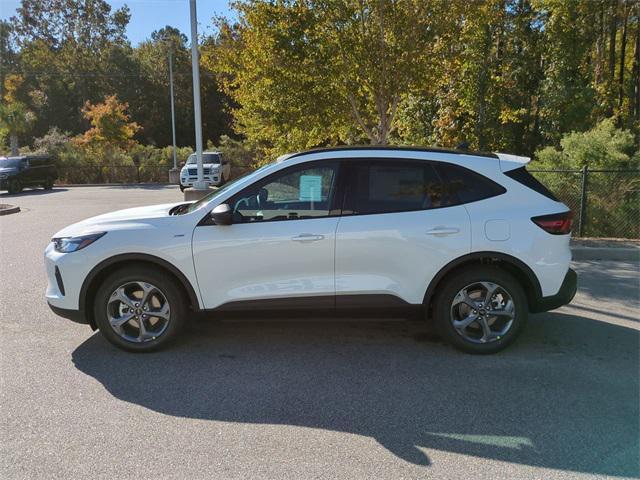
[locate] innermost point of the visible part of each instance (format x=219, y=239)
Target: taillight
x=556, y=224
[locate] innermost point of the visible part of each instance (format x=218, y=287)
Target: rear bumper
x=73, y=315
x=563, y=297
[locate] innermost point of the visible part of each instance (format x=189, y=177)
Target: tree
x=90, y=23
x=15, y=117
x=603, y=146
x=316, y=72
x=110, y=124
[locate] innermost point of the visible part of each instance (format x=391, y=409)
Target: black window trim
x=344, y=181
x=337, y=198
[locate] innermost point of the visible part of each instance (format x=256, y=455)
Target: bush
x=612, y=198
x=603, y=147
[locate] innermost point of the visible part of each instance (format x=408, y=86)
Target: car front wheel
x=480, y=310
x=14, y=186
x=139, y=309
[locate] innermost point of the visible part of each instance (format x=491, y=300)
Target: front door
x=280, y=248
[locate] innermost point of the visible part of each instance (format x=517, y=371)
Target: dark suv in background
x=27, y=171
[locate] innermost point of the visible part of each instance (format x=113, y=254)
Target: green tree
x=604, y=146
x=15, y=119
x=317, y=72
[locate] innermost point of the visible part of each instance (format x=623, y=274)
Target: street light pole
x=195, y=64
x=173, y=112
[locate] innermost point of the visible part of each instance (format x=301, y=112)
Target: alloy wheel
x=138, y=312
x=482, y=312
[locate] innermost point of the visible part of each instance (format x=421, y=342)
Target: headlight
x=73, y=244
x=3, y=176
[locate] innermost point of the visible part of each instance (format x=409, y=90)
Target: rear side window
x=392, y=186
x=461, y=185
x=521, y=175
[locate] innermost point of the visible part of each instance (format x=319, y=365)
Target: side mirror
x=222, y=215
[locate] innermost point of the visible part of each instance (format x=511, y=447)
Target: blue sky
x=150, y=15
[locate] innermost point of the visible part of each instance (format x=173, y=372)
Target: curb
x=9, y=211
x=62, y=185
x=605, y=253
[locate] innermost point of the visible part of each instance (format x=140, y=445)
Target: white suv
x=216, y=170
x=472, y=241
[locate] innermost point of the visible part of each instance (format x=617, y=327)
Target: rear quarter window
x=522, y=176
x=461, y=185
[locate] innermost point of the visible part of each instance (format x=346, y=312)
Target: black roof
x=394, y=148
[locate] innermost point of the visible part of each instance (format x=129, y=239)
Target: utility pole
x=173, y=111
x=195, y=64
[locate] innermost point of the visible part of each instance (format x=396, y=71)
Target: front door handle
x=307, y=237
x=443, y=231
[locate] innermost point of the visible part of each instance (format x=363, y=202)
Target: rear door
x=399, y=228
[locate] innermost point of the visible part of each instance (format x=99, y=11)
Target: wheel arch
x=104, y=268
x=520, y=270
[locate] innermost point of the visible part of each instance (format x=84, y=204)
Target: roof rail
x=394, y=147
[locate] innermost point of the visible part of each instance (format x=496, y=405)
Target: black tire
x=444, y=310
x=48, y=184
x=165, y=284
x=14, y=186
x=181, y=188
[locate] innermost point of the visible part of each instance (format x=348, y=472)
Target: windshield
x=206, y=158
x=9, y=162
x=207, y=198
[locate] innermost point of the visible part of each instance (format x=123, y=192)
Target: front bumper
x=563, y=297
x=73, y=315
x=213, y=179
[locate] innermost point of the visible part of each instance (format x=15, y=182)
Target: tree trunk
x=613, y=30
x=636, y=79
x=13, y=141
x=623, y=46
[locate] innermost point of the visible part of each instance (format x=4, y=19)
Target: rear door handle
x=307, y=237
x=443, y=231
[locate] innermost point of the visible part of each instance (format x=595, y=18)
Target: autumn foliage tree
x=110, y=124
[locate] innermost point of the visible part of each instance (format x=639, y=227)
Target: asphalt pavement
x=318, y=399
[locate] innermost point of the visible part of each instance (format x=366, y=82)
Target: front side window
x=295, y=194
x=392, y=186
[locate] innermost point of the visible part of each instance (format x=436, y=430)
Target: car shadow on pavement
x=32, y=192
x=142, y=186
x=564, y=397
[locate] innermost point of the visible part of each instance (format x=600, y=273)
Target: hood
x=8, y=170
x=117, y=220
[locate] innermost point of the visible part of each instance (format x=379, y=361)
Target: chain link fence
x=112, y=174
x=605, y=203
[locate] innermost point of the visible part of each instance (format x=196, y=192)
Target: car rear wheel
x=48, y=184
x=14, y=186
x=139, y=309
x=480, y=310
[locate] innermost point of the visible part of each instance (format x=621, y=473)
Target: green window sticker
x=310, y=188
